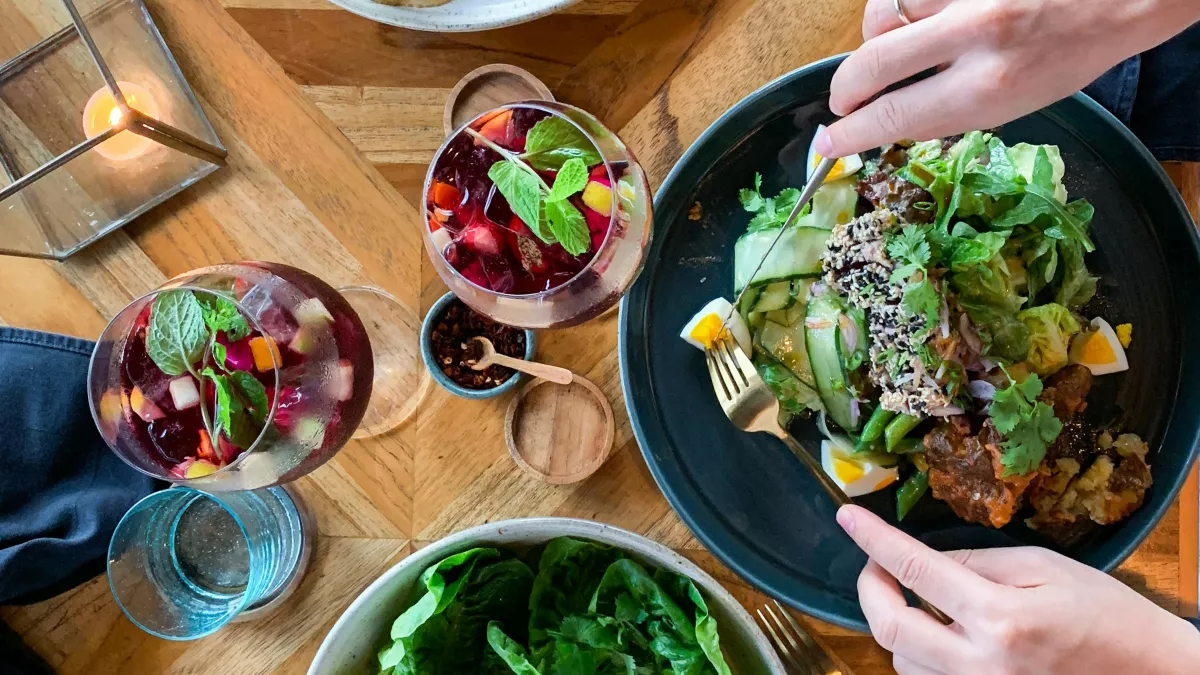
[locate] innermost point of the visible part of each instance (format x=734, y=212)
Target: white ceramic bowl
x=456, y=16
x=352, y=644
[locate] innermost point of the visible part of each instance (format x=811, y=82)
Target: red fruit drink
x=525, y=200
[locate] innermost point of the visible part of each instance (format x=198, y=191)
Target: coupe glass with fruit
x=232, y=377
x=538, y=216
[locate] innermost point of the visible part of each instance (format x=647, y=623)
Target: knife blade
x=810, y=189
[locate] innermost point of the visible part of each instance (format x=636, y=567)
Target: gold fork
x=750, y=405
x=795, y=645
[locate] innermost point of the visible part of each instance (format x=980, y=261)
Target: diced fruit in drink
x=474, y=274
x=226, y=450
x=238, y=355
x=625, y=191
x=289, y=403
x=481, y=240
x=310, y=431
x=278, y=323
x=312, y=311
x=499, y=273
x=144, y=407
x=598, y=197
x=184, y=393
x=111, y=408
x=485, y=118
x=343, y=381
x=266, y=353
x=445, y=196
x=496, y=129
x=205, y=450
x=241, y=287
x=441, y=239
x=306, y=340
x=600, y=175
x=200, y=469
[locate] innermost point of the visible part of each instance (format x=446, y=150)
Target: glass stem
x=204, y=416
x=507, y=155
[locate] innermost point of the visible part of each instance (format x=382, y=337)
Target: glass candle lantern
x=97, y=124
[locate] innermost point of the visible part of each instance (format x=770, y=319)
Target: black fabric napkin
x=62, y=490
x=1157, y=95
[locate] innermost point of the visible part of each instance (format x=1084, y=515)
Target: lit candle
x=102, y=113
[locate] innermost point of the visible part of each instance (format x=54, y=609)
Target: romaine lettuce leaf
x=1051, y=328
x=1025, y=161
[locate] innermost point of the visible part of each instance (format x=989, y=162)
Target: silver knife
x=810, y=189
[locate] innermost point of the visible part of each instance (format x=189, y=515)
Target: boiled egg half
x=846, y=166
x=705, y=328
x=1099, y=349
x=856, y=474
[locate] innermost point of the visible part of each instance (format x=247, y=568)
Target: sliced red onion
x=968, y=334
x=850, y=334
x=988, y=364
x=940, y=371
x=945, y=314
x=855, y=412
x=817, y=289
x=903, y=380
x=817, y=323
x=981, y=389
x=946, y=411
x=929, y=381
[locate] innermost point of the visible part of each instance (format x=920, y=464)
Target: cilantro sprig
x=551, y=144
x=770, y=213
x=911, y=249
x=1027, y=424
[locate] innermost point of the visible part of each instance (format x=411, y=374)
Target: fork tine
x=731, y=361
x=799, y=648
x=780, y=646
x=727, y=368
x=743, y=360
x=815, y=652
x=718, y=380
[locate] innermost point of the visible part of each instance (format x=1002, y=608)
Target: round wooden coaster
x=489, y=87
x=560, y=434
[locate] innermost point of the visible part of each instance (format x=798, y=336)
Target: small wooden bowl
x=561, y=434
x=489, y=87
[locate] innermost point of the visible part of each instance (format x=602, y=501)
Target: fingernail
x=823, y=144
x=845, y=518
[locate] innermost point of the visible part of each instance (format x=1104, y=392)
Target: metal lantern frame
x=131, y=120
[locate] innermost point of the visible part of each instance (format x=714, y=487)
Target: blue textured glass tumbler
x=183, y=563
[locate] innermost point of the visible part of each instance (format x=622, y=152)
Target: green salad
x=930, y=309
x=576, y=608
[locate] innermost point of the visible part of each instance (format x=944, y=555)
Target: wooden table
x=300, y=192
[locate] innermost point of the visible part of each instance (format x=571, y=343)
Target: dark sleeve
x=1194, y=622
x=16, y=658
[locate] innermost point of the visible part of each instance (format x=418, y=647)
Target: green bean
x=908, y=446
x=898, y=428
x=910, y=493
x=874, y=428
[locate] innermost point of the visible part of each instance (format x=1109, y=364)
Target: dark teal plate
x=745, y=496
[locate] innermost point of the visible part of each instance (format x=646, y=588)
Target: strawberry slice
x=498, y=129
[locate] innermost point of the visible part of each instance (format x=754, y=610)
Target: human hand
x=1001, y=59
x=1016, y=611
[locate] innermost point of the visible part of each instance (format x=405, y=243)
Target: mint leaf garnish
x=522, y=189
x=568, y=226
x=219, y=355
x=177, y=334
x=572, y=178
x=240, y=420
x=553, y=141
x=221, y=314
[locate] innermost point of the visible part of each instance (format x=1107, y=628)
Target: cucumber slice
x=778, y=317
x=774, y=297
x=746, y=305
x=786, y=343
x=798, y=254
x=821, y=334
x=789, y=389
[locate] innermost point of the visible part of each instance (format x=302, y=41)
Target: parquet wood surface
x=331, y=120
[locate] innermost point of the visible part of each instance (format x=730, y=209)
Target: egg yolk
x=847, y=472
x=1097, y=350
x=839, y=167
x=884, y=483
x=1125, y=334
x=707, y=330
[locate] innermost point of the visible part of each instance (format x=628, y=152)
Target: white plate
x=456, y=16
x=351, y=646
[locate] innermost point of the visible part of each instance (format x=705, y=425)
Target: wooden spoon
x=546, y=372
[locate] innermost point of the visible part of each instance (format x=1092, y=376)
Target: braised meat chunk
x=965, y=471
x=1066, y=391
